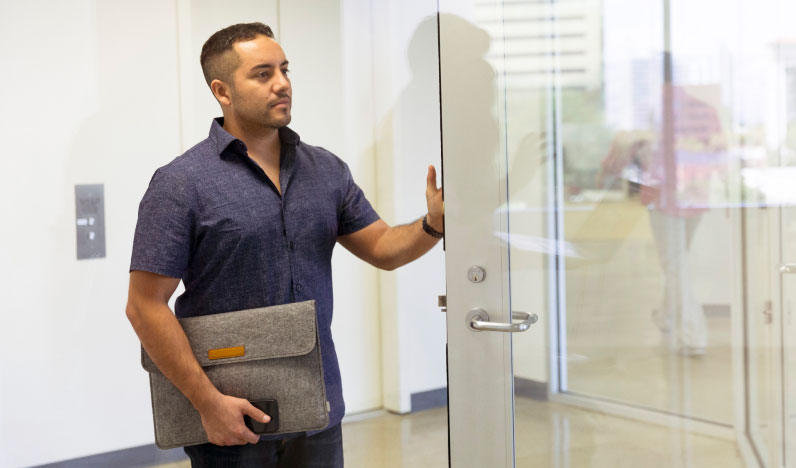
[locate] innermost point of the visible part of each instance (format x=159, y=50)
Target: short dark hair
x=218, y=58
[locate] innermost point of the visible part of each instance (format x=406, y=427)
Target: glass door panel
x=474, y=174
x=607, y=165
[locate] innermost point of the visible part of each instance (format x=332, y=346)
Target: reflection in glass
x=646, y=189
x=658, y=131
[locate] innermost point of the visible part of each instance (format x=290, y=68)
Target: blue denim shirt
x=213, y=218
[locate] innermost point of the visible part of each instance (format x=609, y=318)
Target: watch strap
x=430, y=230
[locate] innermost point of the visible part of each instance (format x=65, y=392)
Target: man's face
x=261, y=92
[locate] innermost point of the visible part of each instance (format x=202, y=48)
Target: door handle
x=478, y=320
x=787, y=268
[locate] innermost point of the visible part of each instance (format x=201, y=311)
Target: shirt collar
x=222, y=138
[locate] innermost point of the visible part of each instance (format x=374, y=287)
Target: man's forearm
x=403, y=244
x=164, y=340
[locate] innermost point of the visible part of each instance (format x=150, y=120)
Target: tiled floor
x=549, y=435
x=554, y=435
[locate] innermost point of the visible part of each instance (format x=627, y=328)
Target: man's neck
x=263, y=143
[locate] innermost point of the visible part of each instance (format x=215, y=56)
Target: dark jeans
x=321, y=450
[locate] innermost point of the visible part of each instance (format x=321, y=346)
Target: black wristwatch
x=430, y=230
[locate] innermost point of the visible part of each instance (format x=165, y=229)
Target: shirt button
x=298, y=287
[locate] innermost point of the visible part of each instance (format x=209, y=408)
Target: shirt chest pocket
x=314, y=219
x=224, y=218
x=240, y=223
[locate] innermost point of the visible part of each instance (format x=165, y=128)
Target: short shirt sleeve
x=355, y=211
x=164, y=232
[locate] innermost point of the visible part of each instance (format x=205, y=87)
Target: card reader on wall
x=90, y=221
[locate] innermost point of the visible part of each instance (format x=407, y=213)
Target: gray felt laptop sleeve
x=271, y=353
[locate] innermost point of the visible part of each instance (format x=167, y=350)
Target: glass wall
x=647, y=146
x=648, y=196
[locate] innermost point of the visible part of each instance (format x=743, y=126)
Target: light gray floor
x=549, y=435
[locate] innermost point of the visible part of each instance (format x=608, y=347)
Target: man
x=248, y=218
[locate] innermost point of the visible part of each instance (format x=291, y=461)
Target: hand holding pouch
x=270, y=353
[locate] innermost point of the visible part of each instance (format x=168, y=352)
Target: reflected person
x=676, y=201
x=679, y=311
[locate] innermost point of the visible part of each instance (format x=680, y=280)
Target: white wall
x=91, y=97
x=408, y=140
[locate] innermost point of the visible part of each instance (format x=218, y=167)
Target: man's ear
x=221, y=91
